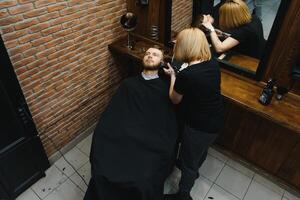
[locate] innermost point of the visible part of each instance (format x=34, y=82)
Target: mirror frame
x=279, y=18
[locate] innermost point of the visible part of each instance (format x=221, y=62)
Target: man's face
x=152, y=59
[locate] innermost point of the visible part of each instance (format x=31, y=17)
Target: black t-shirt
x=202, y=105
x=250, y=37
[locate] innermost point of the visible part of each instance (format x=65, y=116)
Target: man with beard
x=133, y=147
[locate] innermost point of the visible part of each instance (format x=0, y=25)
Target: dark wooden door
x=22, y=158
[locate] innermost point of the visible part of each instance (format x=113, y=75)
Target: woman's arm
x=174, y=96
x=220, y=46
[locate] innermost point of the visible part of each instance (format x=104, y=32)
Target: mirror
x=268, y=13
x=129, y=22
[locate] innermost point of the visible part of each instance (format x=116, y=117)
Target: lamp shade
x=128, y=21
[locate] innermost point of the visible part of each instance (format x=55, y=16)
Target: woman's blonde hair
x=233, y=13
x=191, y=45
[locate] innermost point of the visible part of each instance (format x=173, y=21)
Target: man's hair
x=233, y=13
x=191, y=45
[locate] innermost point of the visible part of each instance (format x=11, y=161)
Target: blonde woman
x=197, y=91
x=246, y=32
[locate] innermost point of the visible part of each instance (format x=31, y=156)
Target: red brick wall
x=182, y=13
x=59, y=52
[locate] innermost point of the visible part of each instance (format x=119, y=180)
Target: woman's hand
x=169, y=71
x=208, y=18
x=208, y=25
x=174, y=96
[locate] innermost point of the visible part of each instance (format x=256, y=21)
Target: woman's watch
x=212, y=30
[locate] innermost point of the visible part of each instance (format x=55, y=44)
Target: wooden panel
x=142, y=14
x=164, y=20
x=271, y=145
x=290, y=170
x=238, y=128
x=238, y=122
x=152, y=14
x=287, y=47
x=255, y=138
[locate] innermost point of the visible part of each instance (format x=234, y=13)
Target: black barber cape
x=134, y=141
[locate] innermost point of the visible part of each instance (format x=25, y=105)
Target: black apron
x=133, y=146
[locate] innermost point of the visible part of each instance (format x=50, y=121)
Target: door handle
x=24, y=114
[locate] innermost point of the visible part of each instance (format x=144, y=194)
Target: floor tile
x=213, y=152
x=65, y=167
x=217, y=193
x=76, y=158
x=85, y=172
x=28, y=195
x=77, y=180
x=241, y=168
x=269, y=184
x=53, y=179
x=233, y=181
x=291, y=196
x=201, y=187
x=67, y=191
x=258, y=191
x=211, y=168
x=85, y=145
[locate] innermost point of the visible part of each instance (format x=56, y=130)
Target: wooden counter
x=245, y=92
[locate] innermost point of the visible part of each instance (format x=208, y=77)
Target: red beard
x=151, y=67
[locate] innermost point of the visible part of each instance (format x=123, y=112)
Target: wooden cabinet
x=256, y=139
x=290, y=169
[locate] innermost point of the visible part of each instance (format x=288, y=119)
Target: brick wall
x=182, y=12
x=59, y=52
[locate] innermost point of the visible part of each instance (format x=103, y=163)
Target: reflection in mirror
x=265, y=10
x=239, y=55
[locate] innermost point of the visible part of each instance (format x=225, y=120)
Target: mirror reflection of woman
x=197, y=91
x=246, y=32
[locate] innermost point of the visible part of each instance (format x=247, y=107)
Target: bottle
x=267, y=93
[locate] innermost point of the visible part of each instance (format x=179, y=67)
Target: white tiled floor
x=221, y=178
